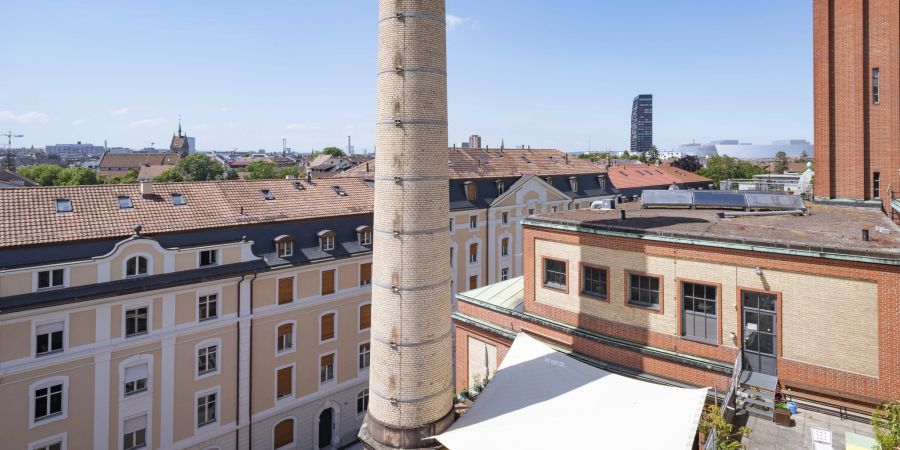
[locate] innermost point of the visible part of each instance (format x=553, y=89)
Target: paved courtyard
x=767, y=435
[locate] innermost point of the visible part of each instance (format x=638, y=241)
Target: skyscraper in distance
x=641, y=123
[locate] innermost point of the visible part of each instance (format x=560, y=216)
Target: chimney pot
x=146, y=187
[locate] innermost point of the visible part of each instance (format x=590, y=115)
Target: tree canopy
x=781, y=163
x=691, y=163
x=649, y=156
x=263, y=170
x=197, y=167
x=725, y=167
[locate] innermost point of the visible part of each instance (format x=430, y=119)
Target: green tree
x=725, y=167
x=333, y=151
x=649, y=156
x=77, y=176
x=199, y=167
x=886, y=426
x=130, y=177
x=293, y=171
x=232, y=175
x=262, y=170
x=171, y=175
x=691, y=163
x=42, y=174
x=781, y=163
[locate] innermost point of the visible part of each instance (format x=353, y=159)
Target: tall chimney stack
x=410, y=380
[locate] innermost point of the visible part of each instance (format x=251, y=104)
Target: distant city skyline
x=244, y=77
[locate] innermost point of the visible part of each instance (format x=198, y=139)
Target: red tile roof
x=136, y=160
x=29, y=217
x=639, y=175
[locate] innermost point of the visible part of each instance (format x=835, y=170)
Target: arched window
x=364, y=235
x=362, y=401
x=283, y=434
x=326, y=240
x=284, y=246
x=285, y=337
x=136, y=266
x=473, y=253
x=504, y=247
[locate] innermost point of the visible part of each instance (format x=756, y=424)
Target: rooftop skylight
x=178, y=199
x=125, y=202
x=63, y=205
x=267, y=194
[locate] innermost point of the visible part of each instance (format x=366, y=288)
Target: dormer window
x=178, y=199
x=284, y=246
x=471, y=190
x=501, y=187
x=125, y=202
x=364, y=234
x=573, y=183
x=63, y=205
x=267, y=194
x=326, y=240
x=602, y=180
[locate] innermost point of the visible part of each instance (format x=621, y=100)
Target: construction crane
x=9, y=137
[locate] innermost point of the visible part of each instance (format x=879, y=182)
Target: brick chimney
x=410, y=380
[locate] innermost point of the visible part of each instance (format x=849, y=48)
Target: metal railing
x=710, y=440
x=791, y=185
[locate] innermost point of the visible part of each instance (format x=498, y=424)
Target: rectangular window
x=364, y=350
x=285, y=337
x=125, y=202
x=366, y=238
x=327, y=242
x=473, y=222
x=285, y=248
x=206, y=359
x=362, y=401
x=328, y=282
x=49, y=338
x=206, y=409
x=285, y=290
x=134, y=433
x=643, y=291
x=876, y=185
x=209, y=258
x=451, y=257
x=700, y=320
x=875, y=85
x=51, y=278
x=326, y=325
x=555, y=273
x=365, y=274
x=504, y=218
x=58, y=445
x=553, y=208
x=136, y=321
x=504, y=247
x=504, y=274
x=136, y=379
x=530, y=211
x=451, y=224
x=63, y=205
x=284, y=382
x=326, y=368
x=473, y=282
x=178, y=200
x=365, y=317
x=208, y=307
x=593, y=282
x=473, y=253
x=471, y=191
x=48, y=401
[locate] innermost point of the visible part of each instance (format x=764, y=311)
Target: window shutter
x=365, y=273
x=48, y=328
x=327, y=282
x=327, y=327
x=328, y=360
x=284, y=381
x=135, y=424
x=365, y=317
x=285, y=290
x=284, y=433
x=138, y=372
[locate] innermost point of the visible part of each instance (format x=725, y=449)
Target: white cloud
x=77, y=122
x=301, y=127
x=120, y=112
x=456, y=21
x=147, y=123
x=24, y=118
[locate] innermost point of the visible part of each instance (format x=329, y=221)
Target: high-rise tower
x=641, y=123
x=410, y=391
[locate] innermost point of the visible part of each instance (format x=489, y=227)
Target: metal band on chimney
x=410, y=343
x=412, y=289
x=412, y=399
x=415, y=69
x=413, y=232
x=404, y=15
x=412, y=122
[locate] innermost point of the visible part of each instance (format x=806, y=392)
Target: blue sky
x=547, y=74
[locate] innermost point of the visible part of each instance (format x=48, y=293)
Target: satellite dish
x=805, y=183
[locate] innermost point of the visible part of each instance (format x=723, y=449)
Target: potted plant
x=726, y=437
x=886, y=426
x=782, y=414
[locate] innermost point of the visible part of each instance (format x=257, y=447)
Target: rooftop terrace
x=828, y=231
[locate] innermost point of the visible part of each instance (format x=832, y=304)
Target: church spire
x=179, y=126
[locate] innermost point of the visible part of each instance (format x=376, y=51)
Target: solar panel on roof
x=719, y=199
x=666, y=198
x=775, y=201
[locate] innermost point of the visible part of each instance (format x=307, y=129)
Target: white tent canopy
x=543, y=399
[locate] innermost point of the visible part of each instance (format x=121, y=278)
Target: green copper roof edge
x=704, y=363
x=707, y=243
x=873, y=203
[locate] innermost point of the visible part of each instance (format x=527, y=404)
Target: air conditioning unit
x=604, y=204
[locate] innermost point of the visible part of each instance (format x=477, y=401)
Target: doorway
x=760, y=326
x=326, y=428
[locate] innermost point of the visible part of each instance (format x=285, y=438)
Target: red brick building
x=672, y=296
x=857, y=102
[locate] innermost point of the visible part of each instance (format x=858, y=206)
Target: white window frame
x=289, y=248
x=506, y=269
x=200, y=295
x=325, y=313
x=61, y=438
x=293, y=393
x=363, y=412
x=45, y=321
x=293, y=347
x=131, y=362
x=508, y=242
x=136, y=255
x=293, y=431
x=46, y=383
x=218, y=409
x=327, y=241
x=205, y=344
x=360, y=371
x=359, y=315
x=148, y=434
x=143, y=304
x=215, y=251
x=475, y=216
x=334, y=368
x=504, y=218
x=36, y=276
x=296, y=277
x=365, y=237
